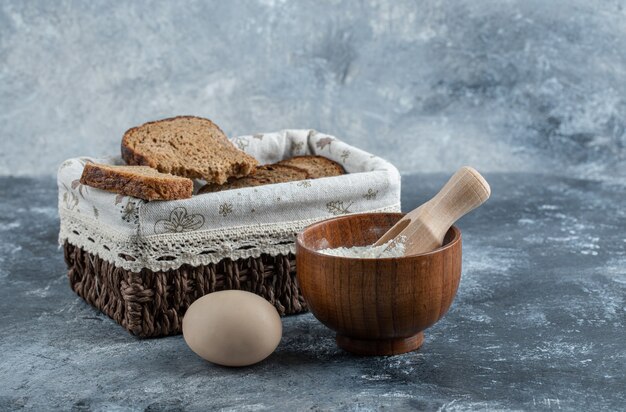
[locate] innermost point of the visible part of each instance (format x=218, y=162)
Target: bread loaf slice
x=264, y=175
x=138, y=181
x=315, y=166
x=296, y=168
x=186, y=146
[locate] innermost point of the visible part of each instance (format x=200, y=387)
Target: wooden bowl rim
x=299, y=241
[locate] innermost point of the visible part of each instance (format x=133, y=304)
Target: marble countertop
x=539, y=321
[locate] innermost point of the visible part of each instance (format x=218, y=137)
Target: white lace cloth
x=160, y=235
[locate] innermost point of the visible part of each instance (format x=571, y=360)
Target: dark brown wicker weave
x=151, y=304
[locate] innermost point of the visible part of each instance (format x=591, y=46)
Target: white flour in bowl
x=393, y=248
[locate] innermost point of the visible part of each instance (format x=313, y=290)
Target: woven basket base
x=152, y=304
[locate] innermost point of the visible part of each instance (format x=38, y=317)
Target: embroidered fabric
x=161, y=235
x=170, y=251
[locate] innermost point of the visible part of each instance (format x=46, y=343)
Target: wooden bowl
x=376, y=306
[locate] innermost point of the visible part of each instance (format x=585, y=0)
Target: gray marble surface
x=516, y=85
x=539, y=321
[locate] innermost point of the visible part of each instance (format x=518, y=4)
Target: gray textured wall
x=430, y=85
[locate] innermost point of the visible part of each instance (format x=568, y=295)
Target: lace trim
x=170, y=251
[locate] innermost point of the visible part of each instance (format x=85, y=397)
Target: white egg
x=232, y=328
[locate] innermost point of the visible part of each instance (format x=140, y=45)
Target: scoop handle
x=464, y=192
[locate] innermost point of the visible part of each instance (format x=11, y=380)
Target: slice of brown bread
x=264, y=175
x=289, y=170
x=315, y=166
x=138, y=181
x=186, y=146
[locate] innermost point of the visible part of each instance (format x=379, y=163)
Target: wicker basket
x=151, y=304
x=125, y=258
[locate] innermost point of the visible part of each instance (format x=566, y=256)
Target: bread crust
x=131, y=157
x=136, y=181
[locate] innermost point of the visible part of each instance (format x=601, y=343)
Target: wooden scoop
x=423, y=229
